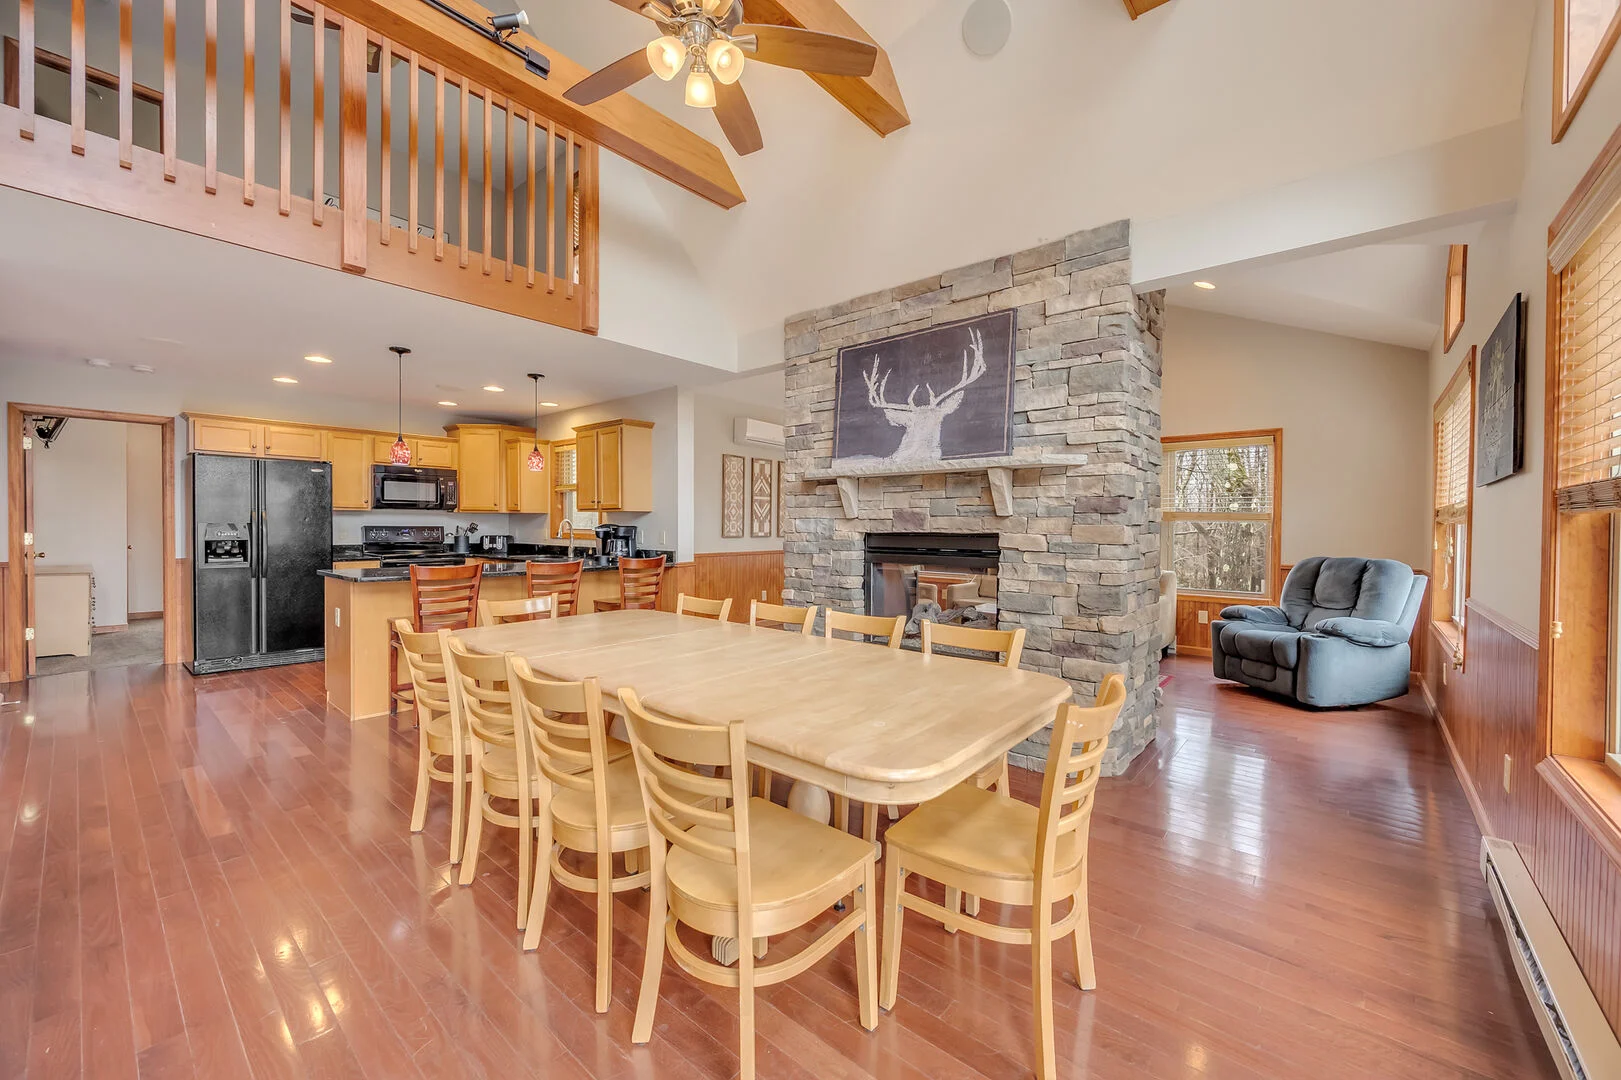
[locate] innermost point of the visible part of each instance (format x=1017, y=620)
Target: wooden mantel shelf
x=998, y=470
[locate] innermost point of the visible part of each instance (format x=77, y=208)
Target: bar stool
x=442, y=598
x=639, y=582
x=560, y=579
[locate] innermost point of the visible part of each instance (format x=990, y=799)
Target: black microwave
x=402, y=487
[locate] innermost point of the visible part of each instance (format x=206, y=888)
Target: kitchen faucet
x=567, y=529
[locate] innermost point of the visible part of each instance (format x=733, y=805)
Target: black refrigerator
x=261, y=532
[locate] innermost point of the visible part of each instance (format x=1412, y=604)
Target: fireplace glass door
x=944, y=578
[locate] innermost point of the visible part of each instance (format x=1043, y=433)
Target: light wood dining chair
x=789, y=618
x=972, y=840
x=561, y=579
x=439, y=738
x=502, y=766
x=639, y=583
x=588, y=803
x=731, y=866
x=719, y=610
x=442, y=598
x=891, y=631
x=525, y=609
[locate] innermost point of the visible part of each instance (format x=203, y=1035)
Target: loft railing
x=385, y=163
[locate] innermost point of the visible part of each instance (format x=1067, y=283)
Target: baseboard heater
x=1578, y=1035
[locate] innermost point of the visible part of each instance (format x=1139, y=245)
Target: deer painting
x=922, y=421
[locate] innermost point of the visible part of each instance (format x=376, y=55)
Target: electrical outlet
x=337, y=616
x=762, y=596
x=1204, y=617
x=1508, y=771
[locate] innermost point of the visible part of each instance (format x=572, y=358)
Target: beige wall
x=143, y=491
x=80, y=510
x=1355, y=420
x=712, y=436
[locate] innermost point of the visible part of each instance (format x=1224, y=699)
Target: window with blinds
x=1220, y=506
x=1454, y=451
x=565, y=482
x=1589, y=403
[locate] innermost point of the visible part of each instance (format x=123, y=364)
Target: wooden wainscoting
x=681, y=577
x=1488, y=714
x=741, y=575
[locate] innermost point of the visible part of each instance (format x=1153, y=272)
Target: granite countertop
x=491, y=569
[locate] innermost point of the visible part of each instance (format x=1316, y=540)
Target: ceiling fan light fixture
x=667, y=55
x=725, y=61
x=700, y=89
x=717, y=9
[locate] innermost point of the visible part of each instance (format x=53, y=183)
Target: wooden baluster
x=385, y=167
x=529, y=210
x=286, y=195
x=248, y=68
x=551, y=206
x=171, y=102
x=75, y=75
x=466, y=92
x=211, y=103
x=413, y=177
x=489, y=184
x=126, y=84
x=439, y=164
x=568, y=208
x=25, y=70
x=510, y=202
x=590, y=236
x=318, y=109
x=352, y=143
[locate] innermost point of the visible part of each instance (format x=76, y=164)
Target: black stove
x=407, y=545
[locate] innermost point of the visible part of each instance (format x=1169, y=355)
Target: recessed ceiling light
x=284, y=379
x=317, y=358
x=448, y=404
x=548, y=404
x=494, y=389
x=96, y=361
x=141, y=369
x=1203, y=285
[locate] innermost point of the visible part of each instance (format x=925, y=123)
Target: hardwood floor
x=212, y=878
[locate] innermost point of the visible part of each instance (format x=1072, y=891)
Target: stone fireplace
x=1072, y=513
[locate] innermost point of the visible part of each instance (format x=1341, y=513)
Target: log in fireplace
x=943, y=577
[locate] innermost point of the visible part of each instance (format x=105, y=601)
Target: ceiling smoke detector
x=987, y=26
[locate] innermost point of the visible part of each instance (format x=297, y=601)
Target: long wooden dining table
x=877, y=725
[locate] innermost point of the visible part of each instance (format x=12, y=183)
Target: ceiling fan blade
x=660, y=9
x=626, y=71
x=736, y=118
x=810, y=50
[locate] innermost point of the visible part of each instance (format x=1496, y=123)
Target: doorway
x=98, y=488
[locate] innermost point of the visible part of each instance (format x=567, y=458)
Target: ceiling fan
x=712, y=37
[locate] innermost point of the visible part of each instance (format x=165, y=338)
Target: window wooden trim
x=1568, y=98
x=92, y=75
x=1453, y=316
x=1275, y=553
x=1453, y=635
x=558, y=491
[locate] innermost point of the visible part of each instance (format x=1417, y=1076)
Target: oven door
x=400, y=487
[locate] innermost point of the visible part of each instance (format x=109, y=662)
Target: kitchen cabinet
x=223, y=435
x=432, y=453
x=614, y=466
x=350, y=454
x=382, y=449
x=480, y=466
x=526, y=492
x=294, y=441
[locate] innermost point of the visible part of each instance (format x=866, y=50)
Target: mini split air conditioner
x=759, y=433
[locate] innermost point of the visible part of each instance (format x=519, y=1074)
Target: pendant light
x=400, y=452
x=536, y=460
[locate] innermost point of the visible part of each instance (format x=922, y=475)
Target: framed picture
x=734, y=498
x=762, y=497
x=927, y=396
x=1500, y=399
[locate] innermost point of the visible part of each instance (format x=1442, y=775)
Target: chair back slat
x=479, y=691
x=1008, y=644
x=788, y=618
x=1079, y=738
x=526, y=609
x=424, y=660
x=719, y=610
x=444, y=597
x=669, y=755
x=639, y=582
x=560, y=579
x=567, y=734
x=878, y=626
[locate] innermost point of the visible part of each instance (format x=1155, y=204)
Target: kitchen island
x=363, y=602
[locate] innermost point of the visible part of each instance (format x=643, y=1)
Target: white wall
x=1355, y=420
x=143, y=490
x=79, y=510
x=1509, y=258
x=713, y=436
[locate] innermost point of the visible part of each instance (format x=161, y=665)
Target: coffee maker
x=616, y=541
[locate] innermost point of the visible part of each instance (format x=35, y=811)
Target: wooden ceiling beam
x=1142, y=7
x=636, y=132
x=876, y=99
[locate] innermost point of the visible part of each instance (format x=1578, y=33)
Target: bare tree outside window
x=1220, y=514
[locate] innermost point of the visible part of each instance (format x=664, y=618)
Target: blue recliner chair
x=1340, y=637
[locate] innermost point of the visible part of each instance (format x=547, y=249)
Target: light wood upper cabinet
x=614, y=464
x=382, y=449
x=526, y=492
x=294, y=441
x=222, y=435
x=433, y=453
x=350, y=454
x=480, y=467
